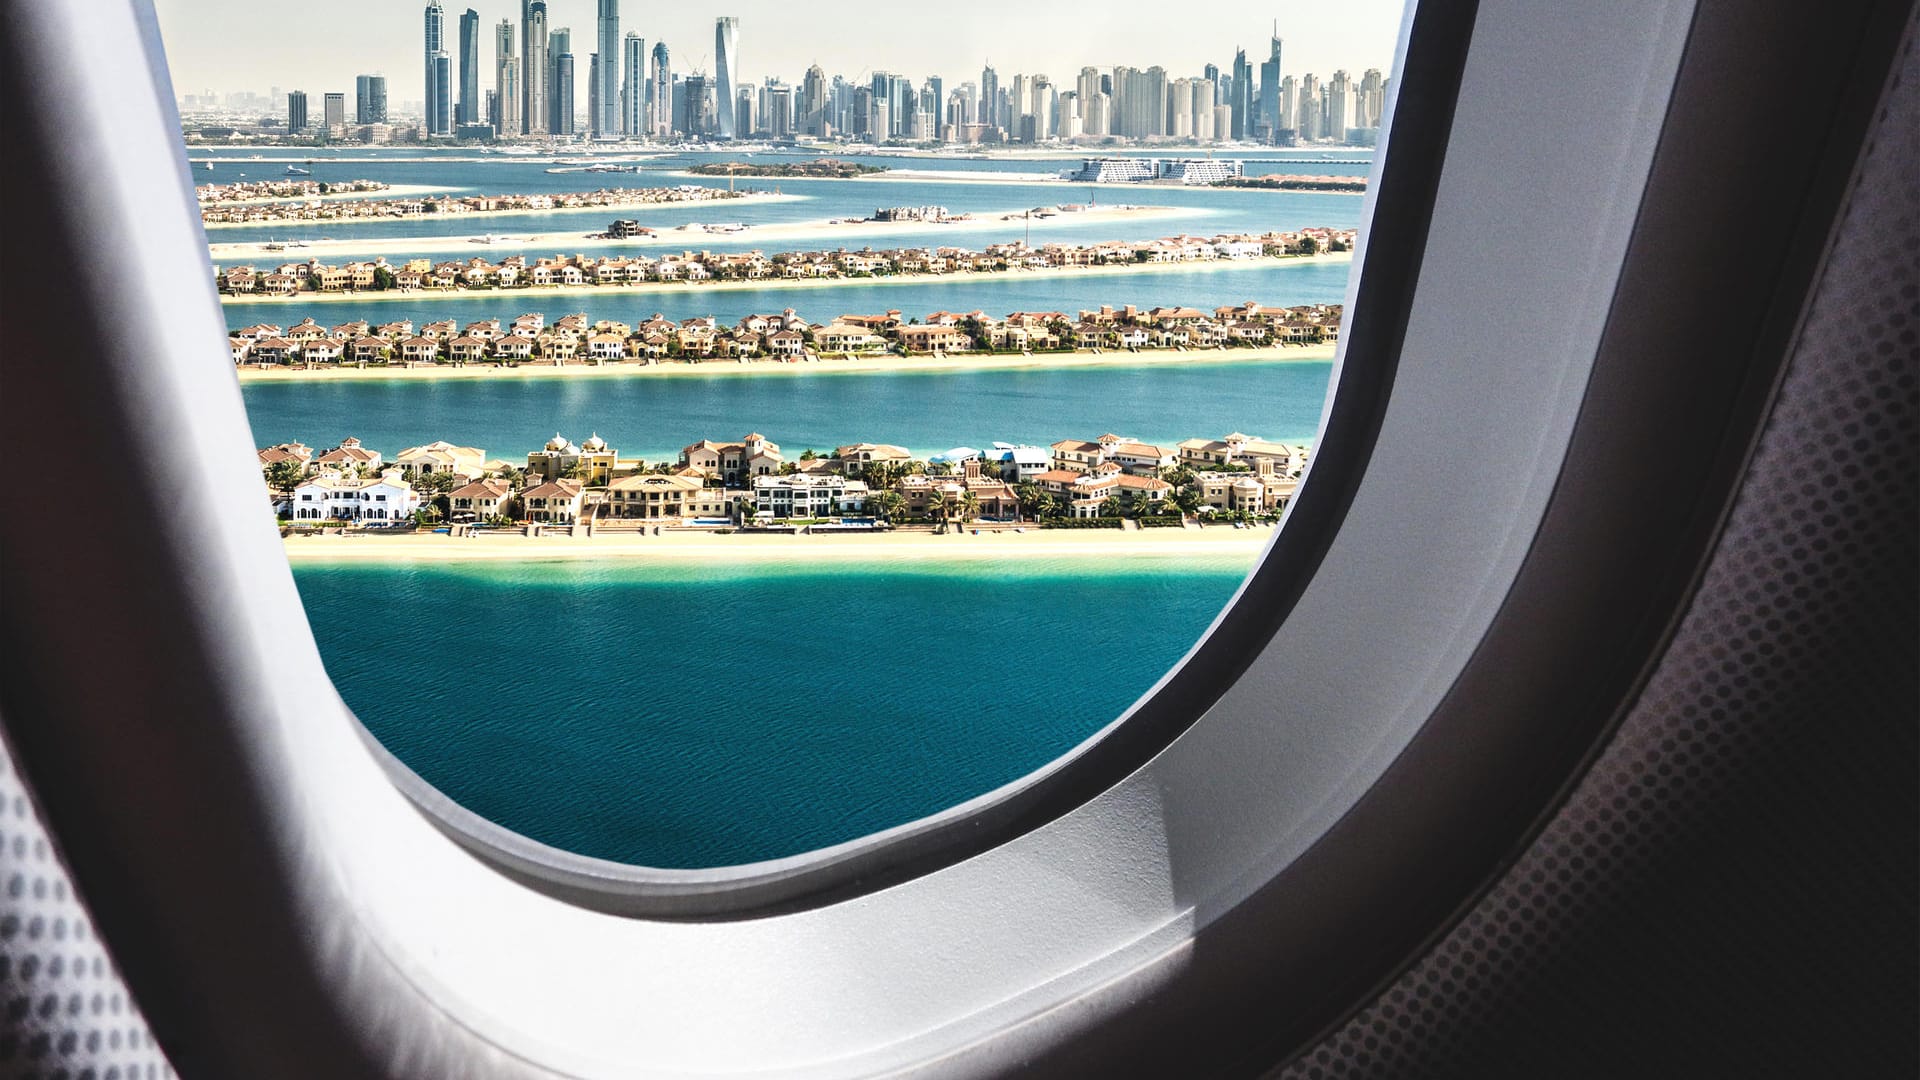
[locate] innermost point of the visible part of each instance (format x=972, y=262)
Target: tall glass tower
x=726, y=60
x=468, y=109
x=633, y=91
x=606, y=105
x=660, y=100
x=436, y=46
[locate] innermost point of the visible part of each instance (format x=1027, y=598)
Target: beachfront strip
x=446, y=205
x=251, y=190
x=783, y=335
x=1111, y=481
x=574, y=271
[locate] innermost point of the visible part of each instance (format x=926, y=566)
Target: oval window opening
x=691, y=454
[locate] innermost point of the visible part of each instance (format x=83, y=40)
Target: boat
x=295, y=170
x=207, y=165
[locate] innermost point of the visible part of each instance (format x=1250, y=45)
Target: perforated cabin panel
x=1730, y=890
x=66, y=1014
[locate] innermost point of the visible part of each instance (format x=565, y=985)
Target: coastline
x=670, y=236
x=883, y=363
x=391, y=191
x=740, y=199
x=885, y=549
x=507, y=297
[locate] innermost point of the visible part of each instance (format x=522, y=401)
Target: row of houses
x=249, y=190
x=350, y=209
x=520, y=271
x=752, y=479
x=781, y=335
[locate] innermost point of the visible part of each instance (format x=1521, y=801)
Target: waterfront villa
x=332, y=496
x=652, y=496
x=732, y=463
x=297, y=453
x=479, y=501
x=780, y=498
x=854, y=459
x=350, y=455
x=1249, y=492
x=1244, y=450
x=594, y=459
x=555, y=502
x=1137, y=458
x=441, y=457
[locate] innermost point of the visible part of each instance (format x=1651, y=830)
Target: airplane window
x=704, y=441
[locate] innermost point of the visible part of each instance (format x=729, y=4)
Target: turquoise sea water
x=653, y=418
x=706, y=716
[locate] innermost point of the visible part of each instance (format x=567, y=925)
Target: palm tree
x=969, y=507
x=1110, y=506
x=937, y=506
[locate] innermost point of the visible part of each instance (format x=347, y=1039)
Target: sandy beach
x=832, y=230
x=391, y=191
x=883, y=363
x=479, y=217
x=1212, y=542
x=518, y=298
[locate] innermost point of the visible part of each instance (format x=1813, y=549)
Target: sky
x=253, y=45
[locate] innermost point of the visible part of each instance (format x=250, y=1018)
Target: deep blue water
x=688, y=717
x=650, y=417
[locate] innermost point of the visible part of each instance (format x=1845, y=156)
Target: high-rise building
x=660, y=98
x=1242, y=100
x=526, y=35
x=726, y=69
x=1270, y=116
x=506, y=81
x=370, y=99
x=296, y=112
x=612, y=115
x=467, y=105
x=633, y=88
x=697, y=112
x=990, y=97
x=436, y=45
x=560, y=95
x=441, y=119
x=559, y=43
x=534, y=69
x=813, y=102
x=1307, y=121
x=1339, y=107
x=1289, y=106
x=1212, y=74
x=333, y=110
x=1373, y=99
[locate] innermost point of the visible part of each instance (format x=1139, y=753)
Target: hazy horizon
x=227, y=46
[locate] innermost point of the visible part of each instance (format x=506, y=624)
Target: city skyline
x=253, y=51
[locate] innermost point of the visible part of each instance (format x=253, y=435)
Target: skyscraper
x=559, y=114
x=633, y=88
x=533, y=69
x=813, y=101
x=660, y=100
x=467, y=111
x=296, y=112
x=526, y=35
x=1242, y=96
x=1270, y=119
x=726, y=60
x=441, y=120
x=989, y=97
x=370, y=99
x=333, y=111
x=560, y=94
x=436, y=45
x=506, y=81
x=611, y=112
